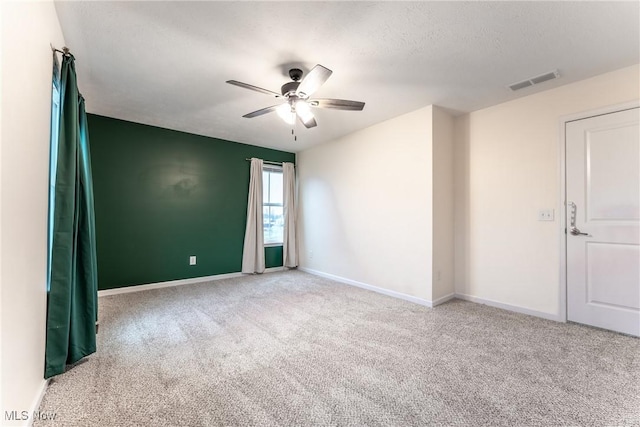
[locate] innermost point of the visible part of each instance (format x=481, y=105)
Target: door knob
x=574, y=231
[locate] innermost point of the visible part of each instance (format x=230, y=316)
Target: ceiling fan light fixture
x=296, y=93
x=286, y=113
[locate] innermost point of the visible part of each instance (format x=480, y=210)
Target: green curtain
x=72, y=303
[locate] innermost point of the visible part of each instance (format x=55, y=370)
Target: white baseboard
x=443, y=299
x=383, y=291
x=180, y=282
x=395, y=294
x=509, y=307
x=435, y=302
x=37, y=402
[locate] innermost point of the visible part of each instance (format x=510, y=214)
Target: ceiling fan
x=296, y=97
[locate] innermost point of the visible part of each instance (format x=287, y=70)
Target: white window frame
x=276, y=169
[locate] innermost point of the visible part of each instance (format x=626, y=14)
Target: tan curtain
x=290, y=242
x=253, y=251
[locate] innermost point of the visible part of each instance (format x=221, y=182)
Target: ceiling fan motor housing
x=290, y=87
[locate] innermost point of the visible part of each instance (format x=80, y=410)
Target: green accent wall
x=162, y=196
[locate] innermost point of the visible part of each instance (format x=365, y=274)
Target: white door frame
x=562, y=215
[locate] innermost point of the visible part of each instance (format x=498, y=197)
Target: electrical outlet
x=310, y=254
x=192, y=260
x=545, y=215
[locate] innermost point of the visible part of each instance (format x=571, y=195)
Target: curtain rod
x=65, y=50
x=269, y=162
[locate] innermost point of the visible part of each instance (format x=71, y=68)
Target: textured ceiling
x=166, y=63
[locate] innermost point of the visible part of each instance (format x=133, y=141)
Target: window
x=272, y=206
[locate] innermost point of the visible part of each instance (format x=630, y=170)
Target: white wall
x=506, y=168
x=365, y=206
x=443, y=201
x=27, y=30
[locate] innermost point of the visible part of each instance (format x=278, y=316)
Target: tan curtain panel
x=290, y=241
x=253, y=251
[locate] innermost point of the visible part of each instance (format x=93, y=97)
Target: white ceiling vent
x=535, y=80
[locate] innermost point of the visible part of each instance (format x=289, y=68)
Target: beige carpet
x=291, y=349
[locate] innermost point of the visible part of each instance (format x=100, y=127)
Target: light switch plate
x=545, y=215
x=192, y=260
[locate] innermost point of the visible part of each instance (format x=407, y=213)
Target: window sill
x=270, y=245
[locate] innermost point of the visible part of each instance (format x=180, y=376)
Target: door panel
x=611, y=269
x=613, y=164
x=603, y=205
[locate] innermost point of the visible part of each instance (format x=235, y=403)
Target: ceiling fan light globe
x=285, y=113
x=302, y=107
x=304, y=111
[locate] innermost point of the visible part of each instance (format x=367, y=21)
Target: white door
x=603, y=221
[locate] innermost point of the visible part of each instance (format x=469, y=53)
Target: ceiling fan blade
x=310, y=123
x=313, y=80
x=261, y=111
x=252, y=87
x=337, y=104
